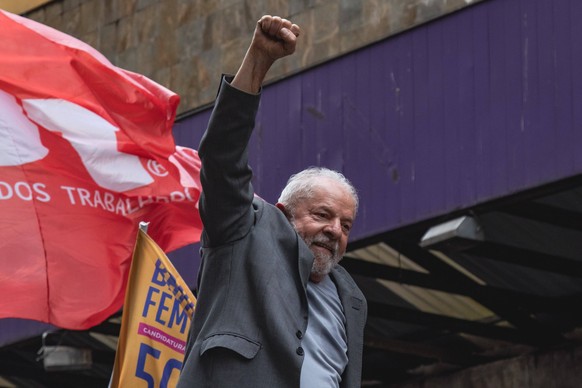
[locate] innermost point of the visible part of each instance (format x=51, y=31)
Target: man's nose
x=333, y=229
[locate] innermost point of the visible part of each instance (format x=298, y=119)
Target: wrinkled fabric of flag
x=86, y=153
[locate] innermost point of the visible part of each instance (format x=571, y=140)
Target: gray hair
x=301, y=185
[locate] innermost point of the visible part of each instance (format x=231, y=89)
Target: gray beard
x=323, y=263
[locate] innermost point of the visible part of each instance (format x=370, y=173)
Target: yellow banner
x=156, y=318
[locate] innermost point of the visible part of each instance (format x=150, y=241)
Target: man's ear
x=282, y=207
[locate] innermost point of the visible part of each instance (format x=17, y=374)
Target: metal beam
x=545, y=213
x=527, y=258
x=470, y=289
x=454, y=325
x=516, y=315
x=440, y=353
x=107, y=328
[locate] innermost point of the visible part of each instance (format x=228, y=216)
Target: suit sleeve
x=227, y=191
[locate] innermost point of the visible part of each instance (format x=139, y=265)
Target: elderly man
x=274, y=307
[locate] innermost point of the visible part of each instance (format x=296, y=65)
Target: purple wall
x=471, y=107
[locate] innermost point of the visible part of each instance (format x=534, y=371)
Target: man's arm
x=227, y=192
x=274, y=38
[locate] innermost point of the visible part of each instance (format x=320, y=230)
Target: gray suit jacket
x=252, y=306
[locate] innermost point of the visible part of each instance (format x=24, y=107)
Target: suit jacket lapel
x=305, y=261
x=355, y=311
x=350, y=296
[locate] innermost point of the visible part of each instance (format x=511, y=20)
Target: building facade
x=457, y=121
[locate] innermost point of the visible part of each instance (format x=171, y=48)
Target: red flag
x=86, y=152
